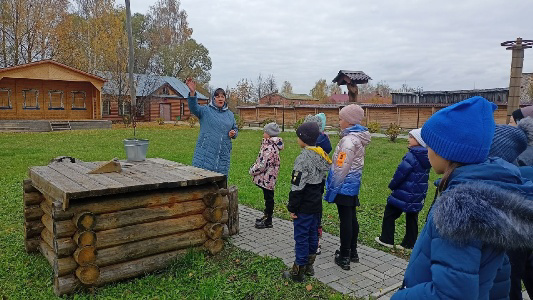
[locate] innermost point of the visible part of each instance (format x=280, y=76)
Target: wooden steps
x=60, y=125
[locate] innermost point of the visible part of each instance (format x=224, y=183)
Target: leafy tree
x=320, y=91
x=286, y=87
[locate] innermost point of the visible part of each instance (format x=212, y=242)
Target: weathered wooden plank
x=117, y=177
x=55, y=213
x=233, y=210
x=103, y=180
x=61, y=266
x=193, y=173
x=113, y=237
x=60, y=229
x=134, y=250
x=82, y=179
x=148, y=214
x=164, y=174
x=53, y=184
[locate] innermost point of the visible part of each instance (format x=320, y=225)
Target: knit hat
x=417, y=134
x=510, y=141
x=308, y=132
x=272, y=129
x=322, y=117
x=462, y=132
x=353, y=114
x=523, y=112
x=314, y=118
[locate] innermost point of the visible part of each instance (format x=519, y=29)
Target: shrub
x=160, y=121
x=266, y=121
x=393, y=131
x=192, y=121
x=239, y=121
x=298, y=123
x=374, y=127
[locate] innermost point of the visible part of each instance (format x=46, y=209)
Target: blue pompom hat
x=462, y=132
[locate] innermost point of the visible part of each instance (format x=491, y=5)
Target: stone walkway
x=377, y=274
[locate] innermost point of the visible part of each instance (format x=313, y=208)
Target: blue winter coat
x=213, y=147
x=409, y=184
x=460, y=253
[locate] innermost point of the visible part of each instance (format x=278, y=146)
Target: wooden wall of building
x=44, y=111
x=407, y=117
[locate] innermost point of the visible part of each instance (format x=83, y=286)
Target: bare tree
x=286, y=87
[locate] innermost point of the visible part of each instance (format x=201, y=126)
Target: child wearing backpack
x=483, y=209
x=409, y=186
x=265, y=171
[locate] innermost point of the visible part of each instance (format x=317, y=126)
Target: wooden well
x=99, y=228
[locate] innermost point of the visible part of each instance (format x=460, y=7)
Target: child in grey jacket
x=305, y=199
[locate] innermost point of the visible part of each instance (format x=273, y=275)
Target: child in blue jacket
x=409, y=186
x=483, y=208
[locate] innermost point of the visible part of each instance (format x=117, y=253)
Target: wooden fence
x=406, y=116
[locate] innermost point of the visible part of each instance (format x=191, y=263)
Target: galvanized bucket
x=136, y=149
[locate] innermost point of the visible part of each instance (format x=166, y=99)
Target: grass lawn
x=235, y=273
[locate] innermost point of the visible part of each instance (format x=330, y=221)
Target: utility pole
x=517, y=63
x=133, y=103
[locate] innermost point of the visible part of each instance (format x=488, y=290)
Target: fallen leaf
x=286, y=283
x=190, y=274
x=237, y=260
x=308, y=287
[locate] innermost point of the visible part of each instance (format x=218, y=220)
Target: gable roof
x=344, y=76
x=146, y=84
x=48, y=69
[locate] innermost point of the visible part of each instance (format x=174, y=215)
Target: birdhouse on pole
x=351, y=79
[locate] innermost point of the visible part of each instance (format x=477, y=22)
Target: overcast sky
x=438, y=45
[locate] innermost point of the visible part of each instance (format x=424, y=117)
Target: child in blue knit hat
x=482, y=209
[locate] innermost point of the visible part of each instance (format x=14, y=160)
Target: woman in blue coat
x=217, y=128
x=484, y=208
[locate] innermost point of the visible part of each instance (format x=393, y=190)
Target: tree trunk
x=88, y=274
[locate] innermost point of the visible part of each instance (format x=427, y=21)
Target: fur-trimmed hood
x=496, y=211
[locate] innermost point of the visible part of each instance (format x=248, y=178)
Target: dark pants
x=305, y=237
x=269, y=201
x=521, y=270
x=349, y=229
x=388, y=227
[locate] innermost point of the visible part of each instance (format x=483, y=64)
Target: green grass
x=234, y=274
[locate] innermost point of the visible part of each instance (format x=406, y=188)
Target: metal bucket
x=136, y=149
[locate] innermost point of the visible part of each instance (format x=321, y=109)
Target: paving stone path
x=376, y=275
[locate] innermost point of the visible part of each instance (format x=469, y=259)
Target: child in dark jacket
x=483, y=209
x=265, y=171
x=409, y=186
x=305, y=200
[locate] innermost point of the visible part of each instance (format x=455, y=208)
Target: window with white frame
x=56, y=100
x=124, y=108
x=106, y=107
x=5, y=98
x=31, y=98
x=78, y=100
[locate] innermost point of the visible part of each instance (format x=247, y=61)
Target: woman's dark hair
x=219, y=91
x=443, y=184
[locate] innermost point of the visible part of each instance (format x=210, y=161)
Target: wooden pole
x=517, y=63
x=130, y=65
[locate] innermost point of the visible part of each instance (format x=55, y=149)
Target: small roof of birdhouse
x=345, y=77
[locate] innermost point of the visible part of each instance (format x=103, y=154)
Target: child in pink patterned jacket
x=265, y=171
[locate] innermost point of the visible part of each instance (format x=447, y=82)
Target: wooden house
x=287, y=99
x=48, y=90
x=498, y=96
x=157, y=97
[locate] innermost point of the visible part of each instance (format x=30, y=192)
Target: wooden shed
x=48, y=90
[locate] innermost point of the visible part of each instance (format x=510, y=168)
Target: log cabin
x=35, y=95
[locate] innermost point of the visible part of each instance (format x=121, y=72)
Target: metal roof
x=146, y=84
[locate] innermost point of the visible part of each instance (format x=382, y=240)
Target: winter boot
x=354, y=257
x=296, y=273
x=342, y=261
x=261, y=219
x=310, y=271
x=266, y=222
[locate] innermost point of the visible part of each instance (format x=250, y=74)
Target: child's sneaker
x=382, y=243
x=265, y=222
x=318, y=250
